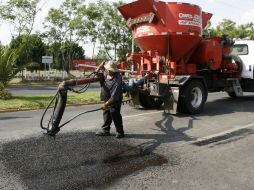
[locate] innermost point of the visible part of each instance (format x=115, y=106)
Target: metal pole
x=132, y=45
x=132, y=51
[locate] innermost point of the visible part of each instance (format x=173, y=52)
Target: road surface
x=212, y=150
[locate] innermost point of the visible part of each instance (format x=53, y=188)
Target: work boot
x=102, y=133
x=119, y=135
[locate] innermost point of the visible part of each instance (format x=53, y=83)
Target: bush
x=4, y=94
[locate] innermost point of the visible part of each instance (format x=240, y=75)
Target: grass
x=38, y=102
x=20, y=83
x=35, y=83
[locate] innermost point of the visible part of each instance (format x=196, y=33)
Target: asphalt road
x=40, y=89
x=212, y=150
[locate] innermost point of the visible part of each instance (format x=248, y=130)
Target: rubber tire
x=149, y=102
x=238, y=61
x=231, y=94
x=185, y=98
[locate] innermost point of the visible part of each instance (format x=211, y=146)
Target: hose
x=60, y=100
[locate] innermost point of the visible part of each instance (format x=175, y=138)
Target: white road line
x=224, y=132
x=128, y=116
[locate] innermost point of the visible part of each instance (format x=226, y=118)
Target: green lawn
x=41, y=101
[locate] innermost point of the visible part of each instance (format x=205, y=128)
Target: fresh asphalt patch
x=73, y=160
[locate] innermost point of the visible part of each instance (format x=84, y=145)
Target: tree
x=230, y=29
x=109, y=28
x=245, y=30
x=20, y=14
x=70, y=51
x=66, y=24
x=227, y=27
x=18, y=45
x=37, y=48
x=28, y=52
x=33, y=66
x=55, y=50
x=60, y=52
x=7, y=65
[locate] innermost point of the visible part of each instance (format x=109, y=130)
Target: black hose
x=60, y=102
x=60, y=99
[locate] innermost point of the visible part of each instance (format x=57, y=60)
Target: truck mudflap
x=169, y=100
x=235, y=90
x=135, y=100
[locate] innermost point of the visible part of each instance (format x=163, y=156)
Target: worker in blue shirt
x=111, y=95
x=112, y=87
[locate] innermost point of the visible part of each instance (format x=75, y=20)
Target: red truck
x=187, y=64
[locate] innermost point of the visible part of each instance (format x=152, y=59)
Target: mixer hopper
x=168, y=28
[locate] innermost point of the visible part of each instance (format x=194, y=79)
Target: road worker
x=111, y=95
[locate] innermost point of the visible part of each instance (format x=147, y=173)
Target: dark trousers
x=114, y=114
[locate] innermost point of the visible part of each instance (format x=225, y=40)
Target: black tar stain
x=227, y=138
x=74, y=161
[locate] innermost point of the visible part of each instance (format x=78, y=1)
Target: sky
x=239, y=11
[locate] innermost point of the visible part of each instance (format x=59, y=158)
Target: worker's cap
x=111, y=66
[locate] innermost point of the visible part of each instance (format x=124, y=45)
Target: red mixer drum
x=170, y=28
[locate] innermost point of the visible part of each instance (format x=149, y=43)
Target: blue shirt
x=112, y=88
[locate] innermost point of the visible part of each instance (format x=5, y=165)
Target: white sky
x=239, y=11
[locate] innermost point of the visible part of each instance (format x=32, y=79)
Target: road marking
x=223, y=133
x=128, y=116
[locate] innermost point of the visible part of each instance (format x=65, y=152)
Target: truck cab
x=245, y=50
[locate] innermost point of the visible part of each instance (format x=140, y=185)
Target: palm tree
x=7, y=65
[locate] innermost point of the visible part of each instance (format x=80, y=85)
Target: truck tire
x=231, y=94
x=192, y=97
x=238, y=61
x=149, y=102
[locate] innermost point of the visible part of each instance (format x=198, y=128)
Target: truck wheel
x=238, y=61
x=149, y=102
x=232, y=94
x=192, y=97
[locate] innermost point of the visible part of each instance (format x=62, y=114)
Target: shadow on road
x=169, y=134
x=212, y=108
